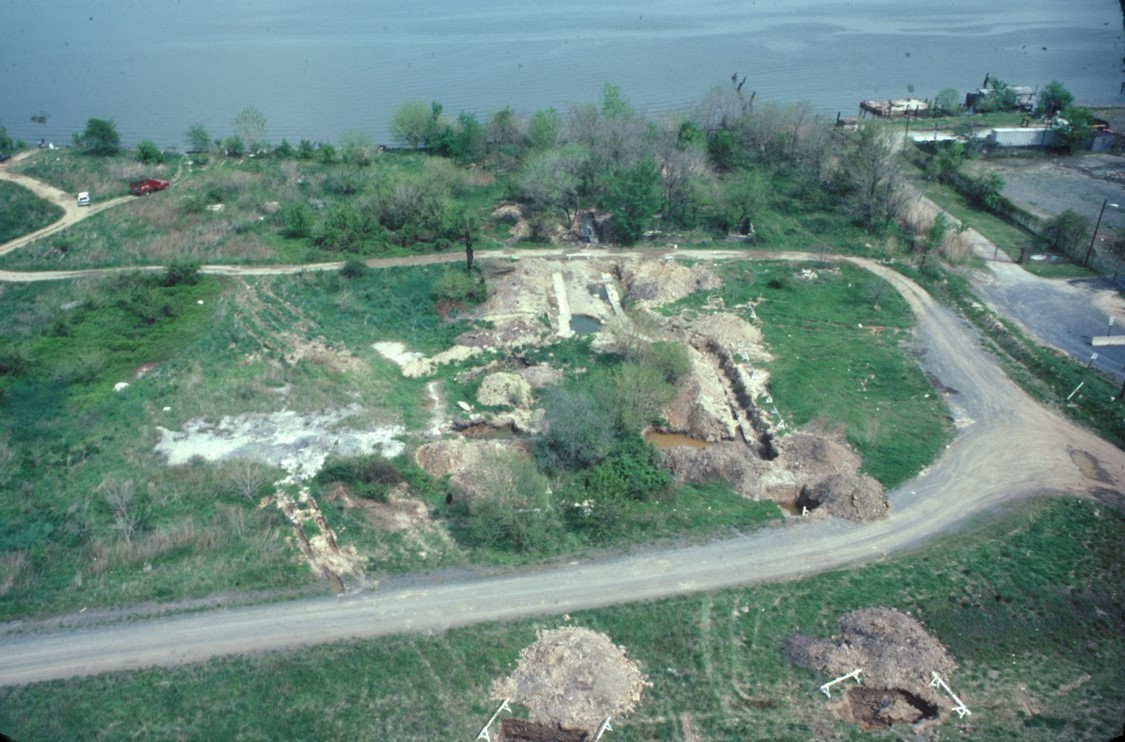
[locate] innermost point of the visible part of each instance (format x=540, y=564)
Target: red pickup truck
x=147, y=186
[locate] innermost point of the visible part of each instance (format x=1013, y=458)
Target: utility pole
x=1094, y=236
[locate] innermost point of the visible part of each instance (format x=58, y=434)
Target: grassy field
x=840, y=339
x=1028, y=602
x=212, y=348
x=235, y=210
x=23, y=212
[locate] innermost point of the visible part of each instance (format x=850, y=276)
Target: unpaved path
x=1011, y=448
x=68, y=201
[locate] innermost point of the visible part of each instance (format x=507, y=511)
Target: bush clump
x=370, y=477
x=458, y=287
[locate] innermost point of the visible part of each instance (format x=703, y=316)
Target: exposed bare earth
x=981, y=469
x=984, y=467
x=896, y=656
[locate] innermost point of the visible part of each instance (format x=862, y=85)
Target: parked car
x=84, y=198
x=147, y=186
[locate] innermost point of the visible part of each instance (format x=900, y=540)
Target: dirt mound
x=541, y=375
x=700, y=408
x=897, y=656
x=817, y=451
x=656, y=283
x=573, y=678
x=512, y=214
x=855, y=497
x=813, y=468
x=504, y=389
x=460, y=458
x=729, y=461
x=729, y=331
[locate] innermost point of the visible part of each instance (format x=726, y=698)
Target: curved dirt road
x=1009, y=447
x=72, y=213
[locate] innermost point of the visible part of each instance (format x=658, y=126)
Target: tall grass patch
x=23, y=212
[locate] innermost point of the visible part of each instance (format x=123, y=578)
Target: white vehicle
x=84, y=198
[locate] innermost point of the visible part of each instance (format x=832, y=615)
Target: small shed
x=1017, y=137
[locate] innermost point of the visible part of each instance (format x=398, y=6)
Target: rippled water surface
x=316, y=69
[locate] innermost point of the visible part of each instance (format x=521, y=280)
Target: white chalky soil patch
x=296, y=442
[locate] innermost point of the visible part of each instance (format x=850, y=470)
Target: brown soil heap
x=573, y=678
x=896, y=654
x=852, y=496
x=813, y=467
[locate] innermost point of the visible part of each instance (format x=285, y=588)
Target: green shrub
x=670, y=359
x=298, y=219
x=180, y=274
x=371, y=477
x=632, y=470
x=149, y=153
x=581, y=427
x=512, y=506
x=353, y=268
x=460, y=287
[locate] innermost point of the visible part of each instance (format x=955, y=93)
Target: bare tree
x=250, y=126
x=873, y=178
x=246, y=478
x=127, y=511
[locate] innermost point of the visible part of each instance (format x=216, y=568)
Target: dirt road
x=68, y=201
x=1008, y=448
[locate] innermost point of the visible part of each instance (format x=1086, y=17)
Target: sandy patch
x=415, y=365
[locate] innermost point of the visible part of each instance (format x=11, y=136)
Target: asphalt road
x=1063, y=314
x=1008, y=448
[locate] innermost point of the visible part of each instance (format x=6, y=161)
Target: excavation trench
x=878, y=708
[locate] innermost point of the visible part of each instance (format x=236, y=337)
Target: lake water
x=317, y=69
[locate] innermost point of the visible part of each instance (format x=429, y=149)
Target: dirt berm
x=896, y=655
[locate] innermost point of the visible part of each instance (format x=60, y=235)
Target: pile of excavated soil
x=573, y=678
x=855, y=497
x=700, y=408
x=813, y=467
x=653, y=283
x=897, y=656
x=541, y=375
x=462, y=459
x=729, y=461
x=513, y=215
x=504, y=389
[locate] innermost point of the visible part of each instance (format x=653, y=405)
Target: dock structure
x=894, y=108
